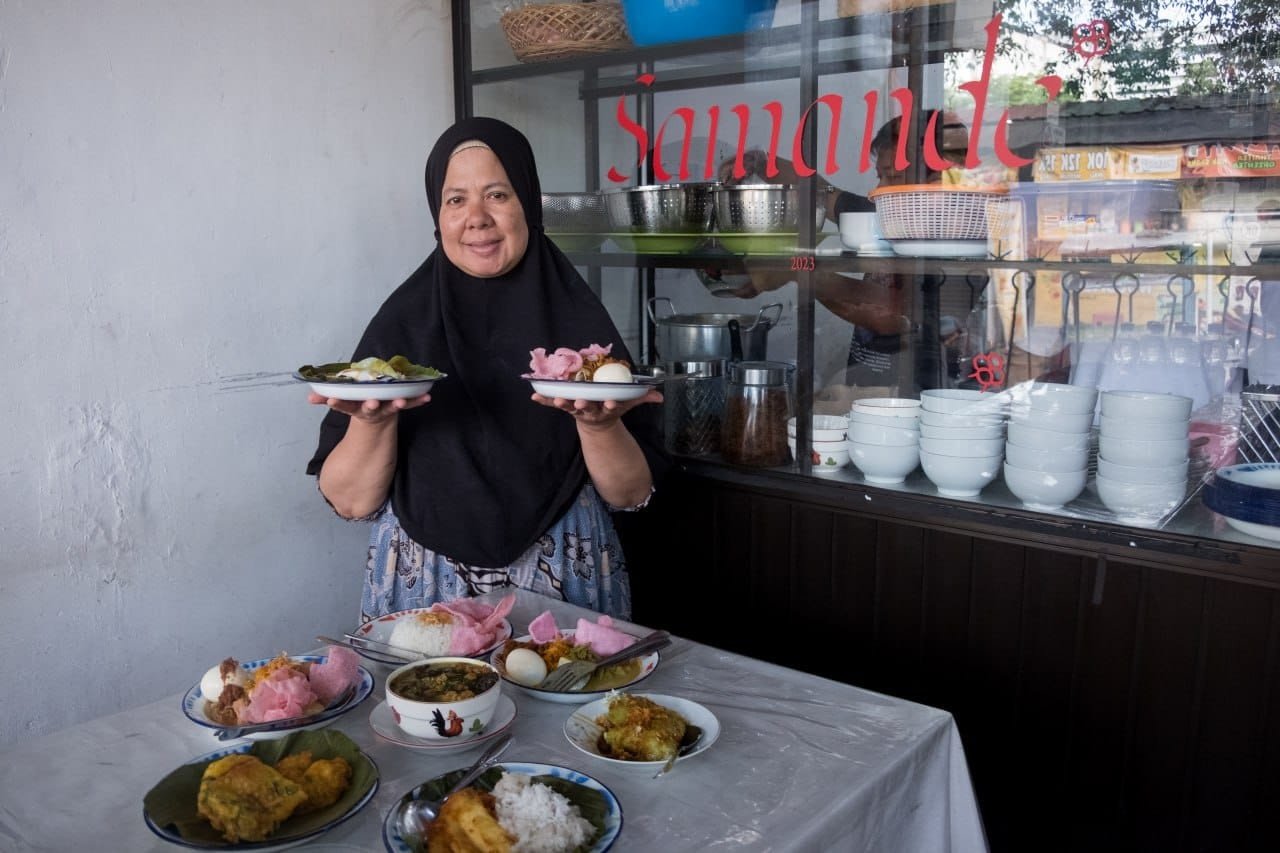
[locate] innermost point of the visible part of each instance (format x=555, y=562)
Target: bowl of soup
x=450, y=698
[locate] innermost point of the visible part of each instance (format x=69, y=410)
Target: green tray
x=658, y=243
x=576, y=242
x=759, y=244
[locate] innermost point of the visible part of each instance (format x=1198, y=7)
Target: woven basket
x=933, y=212
x=547, y=31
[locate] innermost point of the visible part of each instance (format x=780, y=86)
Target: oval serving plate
x=390, y=389
x=383, y=722
x=160, y=817
x=395, y=843
x=594, y=391
x=193, y=702
x=379, y=631
x=583, y=732
x=648, y=663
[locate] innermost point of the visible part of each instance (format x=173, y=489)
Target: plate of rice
x=538, y=806
x=461, y=628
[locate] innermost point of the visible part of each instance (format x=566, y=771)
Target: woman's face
x=482, y=225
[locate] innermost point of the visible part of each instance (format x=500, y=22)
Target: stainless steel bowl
x=574, y=213
x=761, y=209
x=662, y=208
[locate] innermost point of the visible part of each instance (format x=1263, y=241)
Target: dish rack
x=542, y=32
x=933, y=211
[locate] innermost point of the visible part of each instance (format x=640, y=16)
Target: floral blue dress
x=579, y=560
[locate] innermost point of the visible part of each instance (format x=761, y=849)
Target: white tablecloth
x=802, y=763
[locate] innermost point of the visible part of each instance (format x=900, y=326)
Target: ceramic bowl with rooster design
x=450, y=717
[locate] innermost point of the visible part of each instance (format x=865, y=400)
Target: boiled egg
x=612, y=372
x=212, y=683
x=525, y=666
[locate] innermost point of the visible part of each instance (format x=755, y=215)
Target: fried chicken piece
x=324, y=780
x=468, y=823
x=639, y=729
x=245, y=799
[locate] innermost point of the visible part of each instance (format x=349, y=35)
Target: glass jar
x=694, y=406
x=757, y=406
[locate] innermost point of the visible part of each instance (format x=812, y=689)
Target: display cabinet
x=1098, y=213
x=1111, y=660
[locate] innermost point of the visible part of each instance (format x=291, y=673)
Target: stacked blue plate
x=1248, y=497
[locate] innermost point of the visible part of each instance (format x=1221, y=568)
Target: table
x=802, y=763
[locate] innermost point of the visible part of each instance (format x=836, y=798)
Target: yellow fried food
x=245, y=799
x=323, y=780
x=468, y=823
x=639, y=729
x=554, y=650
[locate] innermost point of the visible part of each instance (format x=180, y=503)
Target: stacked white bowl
x=884, y=438
x=961, y=439
x=1142, y=453
x=827, y=439
x=1047, y=453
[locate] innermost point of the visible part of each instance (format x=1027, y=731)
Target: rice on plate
x=541, y=820
x=426, y=633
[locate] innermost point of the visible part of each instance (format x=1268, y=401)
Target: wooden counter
x=1119, y=684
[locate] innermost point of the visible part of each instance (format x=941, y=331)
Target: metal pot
x=700, y=337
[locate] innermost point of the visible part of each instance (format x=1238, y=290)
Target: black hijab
x=483, y=471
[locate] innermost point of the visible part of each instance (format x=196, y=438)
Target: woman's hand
x=592, y=415
x=369, y=411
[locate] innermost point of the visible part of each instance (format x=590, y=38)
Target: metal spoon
x=415, y=814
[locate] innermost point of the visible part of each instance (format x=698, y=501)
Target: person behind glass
x=876, y=305
x=475, y=486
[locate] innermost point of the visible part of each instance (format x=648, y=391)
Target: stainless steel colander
x=761, y=209
x=572, y=212
x=662, y=208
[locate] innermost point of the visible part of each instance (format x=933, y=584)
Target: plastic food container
x=1056, y=211
x=661, y=21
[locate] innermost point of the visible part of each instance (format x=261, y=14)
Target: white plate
x=394, y=389
x=380, y=630
x=193, y=702
x=612, y=819
x=384, y=725
x=648, y=663
x=581, y=730
x=594, y=391
x=940, y=248
x=282, y=843
x=876, y=249
x=1262, y=531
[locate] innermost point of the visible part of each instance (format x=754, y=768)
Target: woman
x=474, y=487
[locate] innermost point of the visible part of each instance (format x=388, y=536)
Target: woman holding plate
x=473, y=487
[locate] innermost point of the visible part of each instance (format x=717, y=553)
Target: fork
x=569, y=677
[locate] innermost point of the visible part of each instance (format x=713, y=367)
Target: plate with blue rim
x=170, y=807
x=193, y=702
x=607, y=810
x=1248, y=497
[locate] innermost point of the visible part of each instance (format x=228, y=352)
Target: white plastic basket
x=933, y=212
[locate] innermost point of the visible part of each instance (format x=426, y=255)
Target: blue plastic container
x=662, y=21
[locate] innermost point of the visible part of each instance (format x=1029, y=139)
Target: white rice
x=426, y=633
x=541, y=819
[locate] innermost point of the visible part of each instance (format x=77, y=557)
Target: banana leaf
x=171, y=804
x=400, y=369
